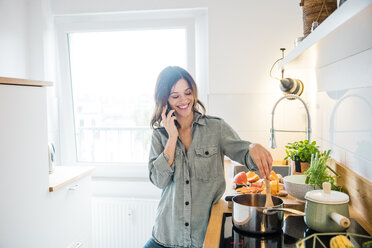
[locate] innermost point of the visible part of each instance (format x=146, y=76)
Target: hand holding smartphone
x=167, y=123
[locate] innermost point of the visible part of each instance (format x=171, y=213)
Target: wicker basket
x=316, y=10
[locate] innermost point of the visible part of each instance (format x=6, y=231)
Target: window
x=113, y=76
x=108, y=66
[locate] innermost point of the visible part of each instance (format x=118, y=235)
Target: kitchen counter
x=64, y=175
x=212, y=238
x=24, y=82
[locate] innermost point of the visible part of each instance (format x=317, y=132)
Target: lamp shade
x=291, y=86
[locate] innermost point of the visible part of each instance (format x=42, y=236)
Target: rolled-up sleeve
x=234, y=147
x=160, y=173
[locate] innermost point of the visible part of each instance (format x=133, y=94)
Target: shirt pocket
x=205, y=162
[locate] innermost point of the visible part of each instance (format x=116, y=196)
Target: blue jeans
x=152, y=244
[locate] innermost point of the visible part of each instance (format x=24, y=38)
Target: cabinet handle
x=75, y=187
x=78, y=244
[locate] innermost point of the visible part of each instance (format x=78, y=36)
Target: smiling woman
x=186, y=160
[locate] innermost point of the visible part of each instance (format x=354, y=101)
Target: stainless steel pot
x=250, y=214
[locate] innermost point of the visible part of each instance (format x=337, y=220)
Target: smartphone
x=167, y=111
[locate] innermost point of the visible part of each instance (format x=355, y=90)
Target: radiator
x=121, y=222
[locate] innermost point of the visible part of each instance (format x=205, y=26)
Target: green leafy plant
x=318, y=173
x=302, y=149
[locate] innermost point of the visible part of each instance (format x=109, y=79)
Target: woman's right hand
x=168, y=122
x=262, y=158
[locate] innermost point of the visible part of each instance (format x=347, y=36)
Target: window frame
x=64, y=25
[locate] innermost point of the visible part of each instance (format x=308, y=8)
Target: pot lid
x=327, y=196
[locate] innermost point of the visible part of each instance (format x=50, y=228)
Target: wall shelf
x=346, y=32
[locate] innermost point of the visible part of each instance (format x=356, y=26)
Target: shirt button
x=187, y=181
x=186, y=224
x=206, y=153
x=187, y=203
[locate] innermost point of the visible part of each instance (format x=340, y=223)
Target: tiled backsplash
x=344, y=111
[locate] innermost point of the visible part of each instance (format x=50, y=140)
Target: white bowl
x=296, y=187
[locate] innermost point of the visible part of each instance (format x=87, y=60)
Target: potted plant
x=318, y=173
x=299, y=152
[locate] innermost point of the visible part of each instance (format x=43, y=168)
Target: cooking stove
x=294, y=229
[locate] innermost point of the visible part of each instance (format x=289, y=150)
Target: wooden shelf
x=64, y=175
x=24, y=82
x=346, y=32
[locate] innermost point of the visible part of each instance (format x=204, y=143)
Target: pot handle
x=289, y=210
x=340, y=219
x=229, y=197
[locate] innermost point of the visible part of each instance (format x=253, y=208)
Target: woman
x=186, y=160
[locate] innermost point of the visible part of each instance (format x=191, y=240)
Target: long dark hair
x=166, y=79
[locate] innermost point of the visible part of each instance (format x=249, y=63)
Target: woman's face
x=181, y=98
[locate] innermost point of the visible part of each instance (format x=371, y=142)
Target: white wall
x=244, y=42
x=13, y=39
x=26, y=46
x=344, y=112
x=26, y=39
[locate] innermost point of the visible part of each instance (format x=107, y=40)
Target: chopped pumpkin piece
x=250, y=174
x=273, y=176
x=258, y=184
x=253, y=179
x=249, y=190
x=274, y=187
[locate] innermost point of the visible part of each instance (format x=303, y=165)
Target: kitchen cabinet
x=31, y=215
x=346, y=32
x=72, y=215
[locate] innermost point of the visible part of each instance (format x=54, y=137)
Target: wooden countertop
x=24, y=82
x=64, y=175
x=212, y=238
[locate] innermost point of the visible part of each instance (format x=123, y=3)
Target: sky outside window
x=113, y=77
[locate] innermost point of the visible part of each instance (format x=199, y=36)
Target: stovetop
x=294, y=229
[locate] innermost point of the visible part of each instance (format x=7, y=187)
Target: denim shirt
x=195, y=181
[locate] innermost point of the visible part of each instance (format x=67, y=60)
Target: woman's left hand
x=262, y=158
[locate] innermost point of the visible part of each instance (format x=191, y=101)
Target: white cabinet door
x=72, y=214
x=23, y=166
